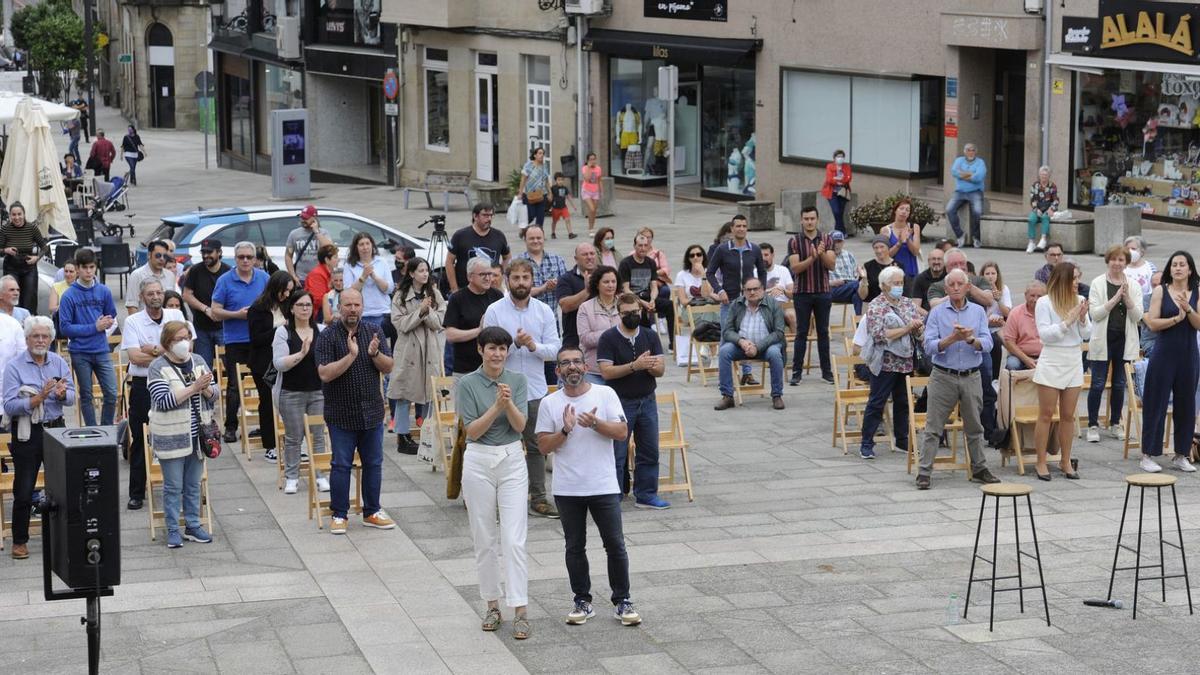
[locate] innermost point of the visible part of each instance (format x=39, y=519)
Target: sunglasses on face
x=245, y=257
x=697, y=254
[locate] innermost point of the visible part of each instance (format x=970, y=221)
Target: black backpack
x=707, y=331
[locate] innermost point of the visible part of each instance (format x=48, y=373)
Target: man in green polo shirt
x=491, y=403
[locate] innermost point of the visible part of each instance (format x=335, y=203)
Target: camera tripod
x=439, y=242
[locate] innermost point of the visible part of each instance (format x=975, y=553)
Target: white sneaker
x=962, y=241
x=1117, y=431
x=1093, y=435
x=1029, y=247
x=1042, y=242
x=290, y=486
x=322, y=484
x=1149, y=465
x=1181, y=463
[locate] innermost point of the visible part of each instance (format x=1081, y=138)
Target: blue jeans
x=606, y=513
x=73, y=148
x=956, y=201
x=594, y=378
x=181, y=478
x=400, y=409
x=725, y=313
x=1014, y=363
x=641, y=414
x=838, y=206
x=883, y=385
x=101, y=364
x=847, y=293
x=987, y=414
x=536, y=212
x=206, y=344
x=132, y=161
x=1116, y=398
x=369, y=443
x=815, y=306
x=730, y=352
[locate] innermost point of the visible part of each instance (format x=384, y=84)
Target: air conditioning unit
x=587, y=7
x=287, y=37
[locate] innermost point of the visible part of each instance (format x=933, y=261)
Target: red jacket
x=103, y=150
x=318, y=284
x=831, y=182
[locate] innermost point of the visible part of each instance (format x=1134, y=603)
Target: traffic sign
x=391, y=109
x=391, y=84
x=124, y=58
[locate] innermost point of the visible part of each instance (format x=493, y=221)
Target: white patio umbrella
x=55, y=112
x=30, y=173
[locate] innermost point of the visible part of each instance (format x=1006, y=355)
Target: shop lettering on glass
x=982, y=28
x=1174, y=84
x=1148, y=31
x=696, y=10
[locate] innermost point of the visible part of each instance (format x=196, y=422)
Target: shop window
x=1138, y=143
x=437, y=100
x=279, y=89
x=537, y=102
x=729, y=144
x=881, y=123
x=237, y=115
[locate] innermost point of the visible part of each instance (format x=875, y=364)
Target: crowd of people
x=563, y=358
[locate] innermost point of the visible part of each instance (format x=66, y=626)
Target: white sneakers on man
x=1042, y=243
x=1181, y=463
x=1029, y=247
x=1093, y=435
x=1149, y=465
x=290, y=486
x=322, y=484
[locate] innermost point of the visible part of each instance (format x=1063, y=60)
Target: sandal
x=521, y=628
x=491, y=620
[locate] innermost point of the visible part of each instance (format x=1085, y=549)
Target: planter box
x=759, y=213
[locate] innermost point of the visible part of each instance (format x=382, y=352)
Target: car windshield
x=163, y=231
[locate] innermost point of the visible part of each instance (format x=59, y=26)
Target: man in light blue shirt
x=969, y=173
x=957, y=340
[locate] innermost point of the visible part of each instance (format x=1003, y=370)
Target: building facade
x=482, y=82
x=769, y=90
x=154, y=65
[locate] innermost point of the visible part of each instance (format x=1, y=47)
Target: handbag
x=141, y=155
x=455, y=470
x=921, y=363
x=209, y=433
x=842, y=191
x=535, y=197
x=271, y=376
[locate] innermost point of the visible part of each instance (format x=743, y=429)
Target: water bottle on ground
x=952, y=613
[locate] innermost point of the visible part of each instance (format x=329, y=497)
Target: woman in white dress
x=1063, y=324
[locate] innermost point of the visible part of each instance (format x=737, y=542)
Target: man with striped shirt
x=811, y=256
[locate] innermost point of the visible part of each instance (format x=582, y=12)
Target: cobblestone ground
x=793, y=557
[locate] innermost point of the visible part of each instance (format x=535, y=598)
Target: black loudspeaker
x=83, y=488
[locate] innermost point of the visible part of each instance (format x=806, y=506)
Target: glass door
x=485, y=132
x=687, y=133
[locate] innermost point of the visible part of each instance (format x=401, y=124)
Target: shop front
x=1136, y=108
x=714, y=135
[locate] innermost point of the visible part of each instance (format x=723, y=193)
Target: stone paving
x=793, y=558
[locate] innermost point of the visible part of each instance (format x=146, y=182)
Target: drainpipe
x=401, y=48
x=580, y=98
x=1047, y=45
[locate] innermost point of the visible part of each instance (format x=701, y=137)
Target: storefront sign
x=694, y=10
x=951, y=87
x=951, y=131
x=1127, y=29
x=1057, y=87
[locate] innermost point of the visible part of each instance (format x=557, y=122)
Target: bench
x=1000, y=230
x=445, y=182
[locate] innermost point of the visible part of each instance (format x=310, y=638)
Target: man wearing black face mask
x=630, y=360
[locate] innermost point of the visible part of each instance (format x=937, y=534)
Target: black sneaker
x=922, y=482
x=827, y=379
x=795, y=381
x=231, y=436
x=984, y=476
x=405, y=444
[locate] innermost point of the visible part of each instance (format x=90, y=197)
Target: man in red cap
x=303, y=244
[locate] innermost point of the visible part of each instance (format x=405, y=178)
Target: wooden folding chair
x=916, y=427
x=697, y=348
x=1133, y=417
x=1022, y=414
x=741, y=390
x=850, y=395
x=322, y=462
x=444, y=419
x=248, y=411
x=7, y=483
x=154, y=480
x=671, y=439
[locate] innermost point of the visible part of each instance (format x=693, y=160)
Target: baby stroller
x=110, y=196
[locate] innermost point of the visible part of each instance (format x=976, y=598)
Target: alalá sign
x=1116, y=32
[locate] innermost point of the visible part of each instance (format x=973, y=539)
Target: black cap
x=210, y=244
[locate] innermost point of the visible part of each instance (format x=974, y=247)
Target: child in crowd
x=560, y=198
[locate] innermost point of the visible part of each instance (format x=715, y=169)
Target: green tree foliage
x=52, y=36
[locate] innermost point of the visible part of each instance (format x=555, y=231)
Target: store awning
x=673, y=48
x=1091, y=63
x=346, y=61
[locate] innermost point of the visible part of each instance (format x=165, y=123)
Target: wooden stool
x=1157, y=481
x=1005, y=490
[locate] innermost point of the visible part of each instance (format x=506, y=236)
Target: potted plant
x=878, y=212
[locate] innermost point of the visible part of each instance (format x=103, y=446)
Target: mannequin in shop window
x=748, y=170
x=656, y=144
x=628, y=131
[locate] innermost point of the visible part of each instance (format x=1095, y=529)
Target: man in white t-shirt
x=779, y=285
x=579, y=424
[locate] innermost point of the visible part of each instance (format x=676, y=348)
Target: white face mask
x=181, y=349
x=839, y=160
x=1135, y=255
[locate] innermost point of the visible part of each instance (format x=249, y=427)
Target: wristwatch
x=565, y=432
